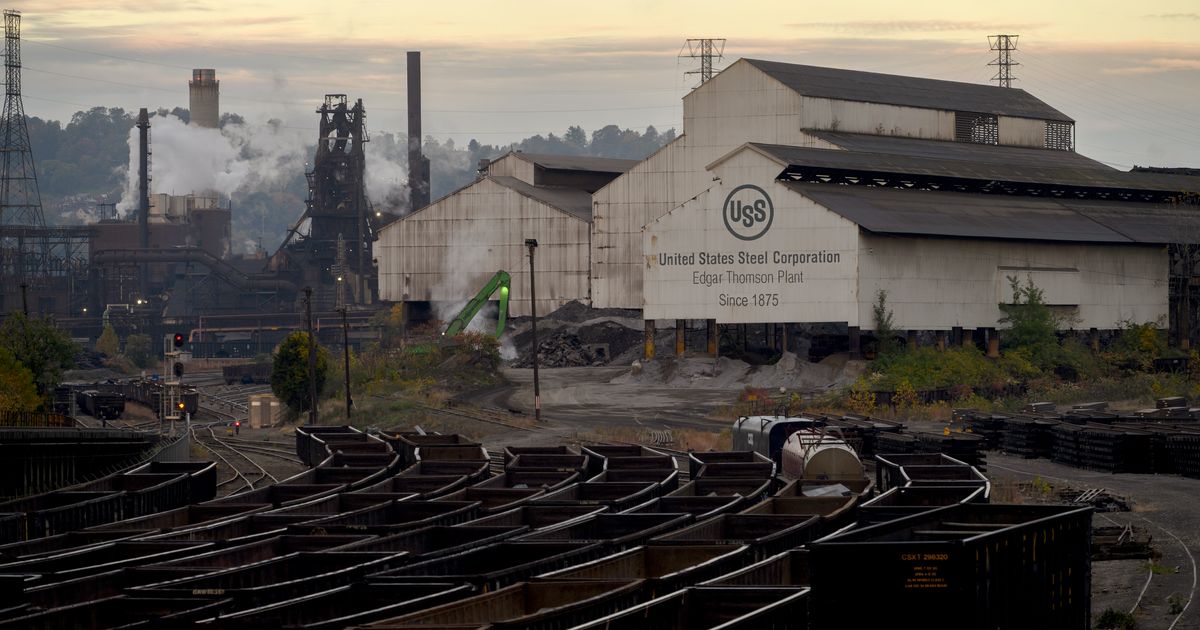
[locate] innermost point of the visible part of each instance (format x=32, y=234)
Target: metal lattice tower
x=706, y=50
x=20, y=202
x=1003, y=45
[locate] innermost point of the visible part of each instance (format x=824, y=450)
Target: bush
x=108, y=344
x=1137, y=346
x=137, y=349
x=17, y=390
x=1032, y=326
x=289, y=374
x=885, y=330
x=1116, y=620
x=929, y=368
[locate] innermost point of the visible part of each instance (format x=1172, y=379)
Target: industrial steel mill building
x=795, y=194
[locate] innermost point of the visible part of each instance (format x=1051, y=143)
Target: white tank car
x=816, y=455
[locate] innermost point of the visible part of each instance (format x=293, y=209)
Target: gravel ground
x=1166, y=506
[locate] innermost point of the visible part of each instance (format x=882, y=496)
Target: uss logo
x=748, y=212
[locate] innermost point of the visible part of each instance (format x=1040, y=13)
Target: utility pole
x=706, y=50
x=25, y=299
x=532, y=244
x=312, y=359
x=346, y=356
x=1003, y=45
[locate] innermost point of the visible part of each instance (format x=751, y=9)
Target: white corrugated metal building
x=936, y=191
x=444, y=253
x=784, y=104
x=797, y=234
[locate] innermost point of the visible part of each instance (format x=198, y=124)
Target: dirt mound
x=790, y=372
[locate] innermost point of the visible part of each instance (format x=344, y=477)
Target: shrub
x=885, y=331
x=1116, y=620
x=1032, y=326
x=289, y=374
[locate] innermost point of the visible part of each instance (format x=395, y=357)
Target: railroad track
x=265, y=448
x=248, y=478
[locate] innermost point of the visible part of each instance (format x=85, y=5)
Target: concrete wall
x=936, y=284
x=447, y=251
x=802, y=268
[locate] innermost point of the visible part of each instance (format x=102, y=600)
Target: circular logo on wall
x=748, y=212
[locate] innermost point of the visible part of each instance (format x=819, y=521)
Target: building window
x=1060, y=135
x=976, y=127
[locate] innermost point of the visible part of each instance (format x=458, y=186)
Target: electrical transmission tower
x=706, y=50
x=22, y=241
x=1003, y=45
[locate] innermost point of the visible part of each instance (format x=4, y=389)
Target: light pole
x=532, y=244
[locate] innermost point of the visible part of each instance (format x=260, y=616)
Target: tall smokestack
x=143, y=125
x=204, y=91
x=418, y=164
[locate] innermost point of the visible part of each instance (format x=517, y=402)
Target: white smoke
x=238, y=158
x=468, y=265
x=386, y=176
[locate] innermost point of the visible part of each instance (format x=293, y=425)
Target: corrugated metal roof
x=978, y=170
x=575, y=202
x=577, y=162
x=891, y=89
x=944, y=149
x=930, y=213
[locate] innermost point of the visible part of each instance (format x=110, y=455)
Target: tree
x=137, y=350
x=42, y=348
x=1031, y=324
x=289, y=373
x=17, y=389
x=885, y=330
x=108, y=344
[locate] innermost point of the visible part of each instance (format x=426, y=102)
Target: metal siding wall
x=741, y=104
x=1022, y=132
x=876, y=118
x=936, y=284
x=446, y=252
x=826, y=294
x=512, y=166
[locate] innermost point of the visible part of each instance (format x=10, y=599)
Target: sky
x=498, y=71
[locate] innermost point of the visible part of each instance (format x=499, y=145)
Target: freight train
x=246, y=374
x=101, y=405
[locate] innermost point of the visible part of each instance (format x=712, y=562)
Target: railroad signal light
x=180, y=405
x=177, y=369
x=178, y=340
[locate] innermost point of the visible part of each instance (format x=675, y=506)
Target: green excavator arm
x=499, y=282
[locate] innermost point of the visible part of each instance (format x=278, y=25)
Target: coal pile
x=562, y=350
x=576, y=335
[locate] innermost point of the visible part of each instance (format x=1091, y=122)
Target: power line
x=110, y=56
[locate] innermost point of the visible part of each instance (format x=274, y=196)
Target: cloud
x=1156, y=66
x=1176, y=16
x=911, y=26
